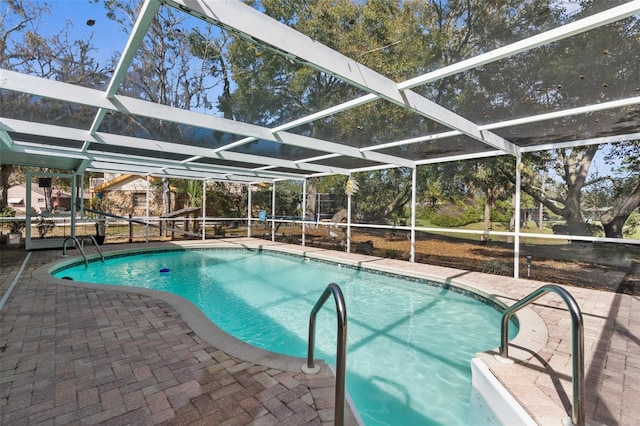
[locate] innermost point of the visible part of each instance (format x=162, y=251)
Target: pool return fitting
x=341, y=352
x=577, y=342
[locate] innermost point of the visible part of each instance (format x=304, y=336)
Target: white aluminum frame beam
x=254, y=25
x=203, y=168
x=620, y=103
x=586, y=24
x=48, y=151
x=574, y=28
x=54, y=131
x=75, y=94
x=5, y=141
x=118, y=167
x=147, y=12
x=137, y=165
x=583, y=142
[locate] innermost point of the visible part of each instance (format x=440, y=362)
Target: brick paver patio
x=92, y=355
x=74, y=355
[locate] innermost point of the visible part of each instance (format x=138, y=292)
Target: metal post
x=74, y=184
x=516, y=239
x=414, y=184
x=146, y=226
x=349, y=223
x=204, y=209
x=249, y=211
x=273, y=212
x=27, y=223
x=304, y=209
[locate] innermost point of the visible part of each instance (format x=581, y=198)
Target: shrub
x=496, y=267
x=453, y=219
x=15, y=226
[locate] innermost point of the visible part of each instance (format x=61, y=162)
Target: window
x=140, y=201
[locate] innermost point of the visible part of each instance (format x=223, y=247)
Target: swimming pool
x=409, y=344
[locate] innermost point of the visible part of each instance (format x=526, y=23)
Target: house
x=17, y=199
x=126, y=194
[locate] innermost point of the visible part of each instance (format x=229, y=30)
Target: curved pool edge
x=190, y=313
x=531, y=339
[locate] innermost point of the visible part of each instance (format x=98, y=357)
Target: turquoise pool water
x=409, y=343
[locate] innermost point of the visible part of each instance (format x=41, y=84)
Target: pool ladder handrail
x=341, y=351
x=95, y=243
x=74, y=239
x=577, y=342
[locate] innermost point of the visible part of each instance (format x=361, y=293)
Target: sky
x=107, y=35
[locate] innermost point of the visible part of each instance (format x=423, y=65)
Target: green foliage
x=7, y=211
x=501, y=212
x=382, y=195
x=632, y=225
x=15, y=226
x=591, y=229
x=222, y=203
x=454, y=215
x=44, y=226
x=287, y=199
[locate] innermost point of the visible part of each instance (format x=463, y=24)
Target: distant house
x=17, y=199
x=126, y=194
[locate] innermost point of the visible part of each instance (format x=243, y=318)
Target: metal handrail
x=341, y=351
x=64, y=249
x=95, y=243
x=577, y=342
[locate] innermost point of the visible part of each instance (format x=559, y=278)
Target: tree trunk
x=540, y=205
x=488, y=202
x=312, y=195
x=613, y=219
x=5, y=173
x=573, y=215
x=401, y=199
x=512, y=220
x=576, y=169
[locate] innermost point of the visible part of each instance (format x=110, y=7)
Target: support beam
x=5, y=141
x=53, y=131
x=589, y=23
x=516, y=239
x=204, y=209
x=304, y=210
x=146, y=210
x=249, y=206
x=147, y=12
x=273, y=211
x=256, y=27
x=414, y=186
x=75, y=94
